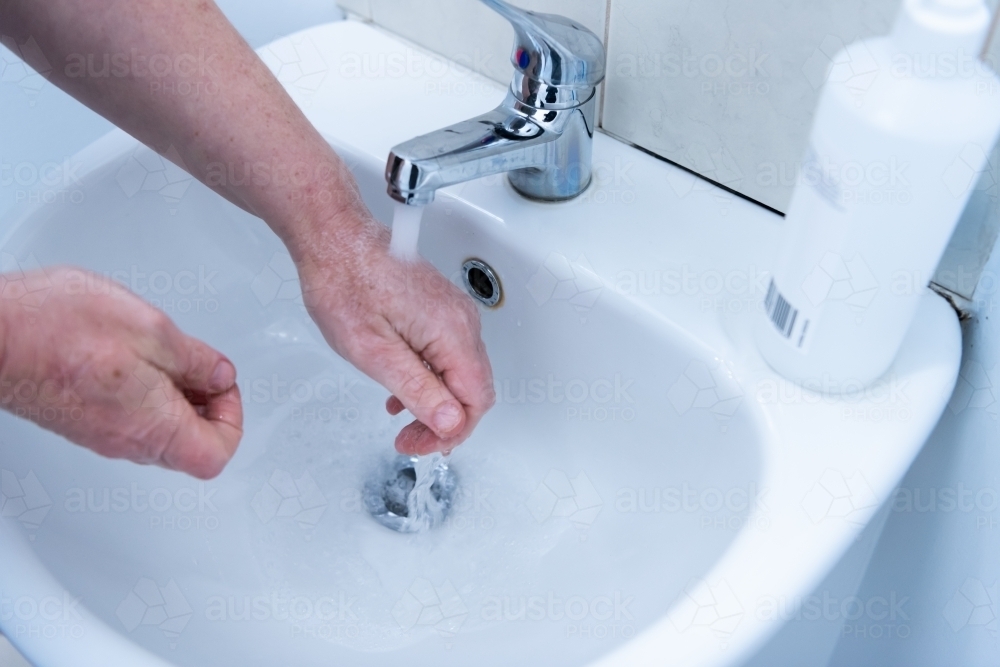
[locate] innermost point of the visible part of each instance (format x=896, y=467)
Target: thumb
x=417, y=387
x=195, y=367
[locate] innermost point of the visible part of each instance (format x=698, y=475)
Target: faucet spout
x=546, y=153
x=541, y=135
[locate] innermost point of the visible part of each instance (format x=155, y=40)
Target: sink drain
x=482, y=283
x=389, y=494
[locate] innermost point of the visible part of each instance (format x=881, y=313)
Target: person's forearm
x=177, y=76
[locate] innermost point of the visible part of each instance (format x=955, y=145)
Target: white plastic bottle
x=902, y=130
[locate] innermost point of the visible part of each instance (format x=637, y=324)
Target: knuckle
x=156, y=320
x=201, y=359
x=489, y=396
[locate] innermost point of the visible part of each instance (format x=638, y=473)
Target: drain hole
x=481, y=282
x=397, y=490
x=386, y=494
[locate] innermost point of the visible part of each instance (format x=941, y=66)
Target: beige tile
x=727, y=87
x=471, y=34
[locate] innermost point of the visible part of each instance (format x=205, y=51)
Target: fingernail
x=447, y=418
x=223, y=376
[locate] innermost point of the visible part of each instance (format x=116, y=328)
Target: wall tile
x=467, y=31
x=725, y=87
x=961, y=268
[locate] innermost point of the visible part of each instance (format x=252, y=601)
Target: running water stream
x=410, y=499
x=411, y=494
x=405, y=231
x=423, y=508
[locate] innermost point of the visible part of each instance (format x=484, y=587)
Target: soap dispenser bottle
x=900, y=136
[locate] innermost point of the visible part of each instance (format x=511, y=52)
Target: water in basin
x=587, y=501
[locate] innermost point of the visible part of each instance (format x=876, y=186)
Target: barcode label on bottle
x=785, y=317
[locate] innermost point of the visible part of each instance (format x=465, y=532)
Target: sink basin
x=644, y=482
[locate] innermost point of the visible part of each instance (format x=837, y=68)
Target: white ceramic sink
x=634, y=504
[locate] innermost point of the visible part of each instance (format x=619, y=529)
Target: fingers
x=142, y=390
x=463, y=368
x=193, y=365
x=459, y=356
x=204, y=441
x=414, y=386
x=211, y=416
x=459, y=371
x=416, y=438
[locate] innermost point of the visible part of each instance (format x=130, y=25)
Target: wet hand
x=406, y=326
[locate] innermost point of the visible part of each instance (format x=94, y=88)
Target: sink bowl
x=642, y=485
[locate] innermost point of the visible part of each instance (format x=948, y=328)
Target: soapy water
x=406, y=231
x=411, y=494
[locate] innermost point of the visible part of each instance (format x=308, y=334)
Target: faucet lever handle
x=553, y=50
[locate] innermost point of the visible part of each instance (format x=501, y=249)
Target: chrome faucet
x=542, y=134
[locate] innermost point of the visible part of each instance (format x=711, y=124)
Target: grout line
x=604, y=85
x=963, y=307
x=694, y=173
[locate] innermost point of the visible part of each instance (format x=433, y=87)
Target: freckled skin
x=390, y=318
x=106, y=370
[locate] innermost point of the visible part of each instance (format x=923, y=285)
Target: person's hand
x=82, y=356
x=406, y=326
